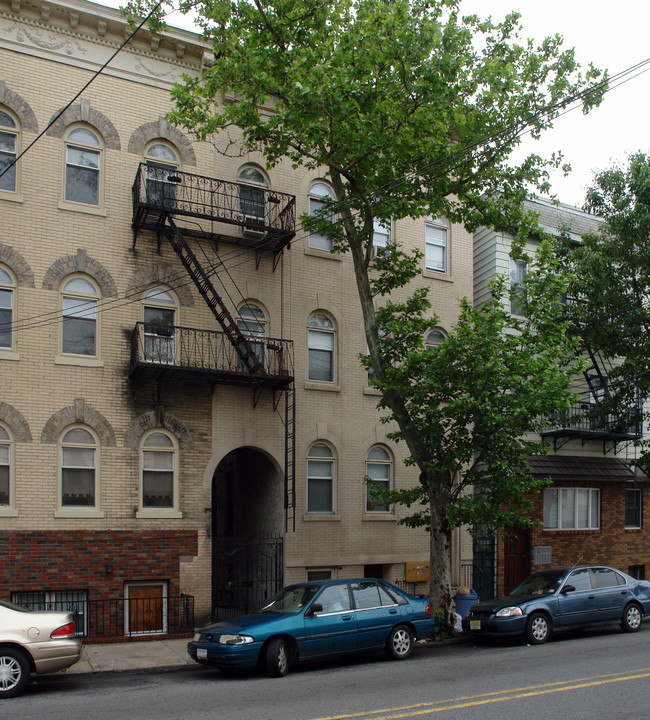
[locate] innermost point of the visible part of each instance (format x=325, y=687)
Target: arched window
x=252, y=206
x=252, y=323
x=159, y=327
x=437, y=245
x=379, y=467
x=83, y=166
x=162, y=179
x=317, y=194
x=9, y=143
x=321, y=344
x=78, y=469
x=79, y=328
x=6, y=489
x=320, y=479
x=7, y=294
x=159, y=484
x=433, y=339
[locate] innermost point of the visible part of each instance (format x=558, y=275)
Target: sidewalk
x=114, y=657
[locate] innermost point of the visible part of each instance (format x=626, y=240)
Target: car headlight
x=510, y=612
x=235, y=639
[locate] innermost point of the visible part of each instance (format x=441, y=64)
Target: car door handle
x=590, y=597
x=623, y=592
x=346, y=618
x=393, y=612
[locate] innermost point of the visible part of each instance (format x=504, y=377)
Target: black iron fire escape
x=161, y=199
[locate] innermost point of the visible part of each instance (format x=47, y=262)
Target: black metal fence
x=120, y=617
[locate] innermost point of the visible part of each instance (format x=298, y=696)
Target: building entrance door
x=516, y=557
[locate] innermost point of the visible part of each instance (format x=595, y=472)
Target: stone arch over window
x=18, y=265
x=83, y=113
x=20, y=107
x=158, y=420
x=15, y=420
x=79, y=263
x=77, y=414
x=150, y=131
x=161, y=274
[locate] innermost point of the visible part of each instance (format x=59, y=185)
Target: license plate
x=474, y=624
x=201, y=654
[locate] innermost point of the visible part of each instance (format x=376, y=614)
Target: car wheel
x=14, y=672
x=631, y=621
x=400, y=643
x=538, y=628
x=277, y=658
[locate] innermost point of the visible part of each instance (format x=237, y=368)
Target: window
x=82, y=167
x=159, y=327
x=317, y=193
x=606, y=577
x=580, y=580
x=78, y=469
x=251, y=322
x=6, y=309
x=517, y=287
x=252, y=206
x=436, y=245
x=633, y=507
x=571, y=509
x=8, y=151
x=369, y=594
x=159, y=471
x=79, y=329
x=6, y=498
x=378, y=468
x=381, y=235
x=319, y=574
x=334, y=598
x=433, y=339
x=74, y=601
x=321, y=336
x=320, y=479
x=162, y=180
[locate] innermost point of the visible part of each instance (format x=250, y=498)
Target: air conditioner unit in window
x=249, y=230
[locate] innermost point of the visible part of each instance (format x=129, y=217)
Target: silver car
x=33, y=642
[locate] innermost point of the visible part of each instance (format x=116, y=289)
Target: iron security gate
x=245, y=574
x=484, y=576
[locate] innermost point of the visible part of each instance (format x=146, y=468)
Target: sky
x=612, y=36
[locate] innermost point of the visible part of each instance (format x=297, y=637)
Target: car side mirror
x=567, y=589
x=315, y=608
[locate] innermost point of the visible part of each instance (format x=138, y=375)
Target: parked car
x=317, y=620
x=33, y=642
x=562, y=599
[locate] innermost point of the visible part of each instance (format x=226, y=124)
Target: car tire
x=277, y=657
x=400, y=643
x=538, y=628
x=14, y=672
x=632, y=618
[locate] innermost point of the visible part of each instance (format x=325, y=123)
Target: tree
x=611, y=286
x=408, y=110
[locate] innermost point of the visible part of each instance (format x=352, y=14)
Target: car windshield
x=544, y=583
x=291, y=600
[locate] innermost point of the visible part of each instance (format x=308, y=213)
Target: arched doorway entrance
x=247, y=527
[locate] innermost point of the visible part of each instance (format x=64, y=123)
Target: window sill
x=327, y=254
x=321, y=517
x=379, y=517
x=10, y=196
x=371, y=391
x=437, y=275
x=78, y=360
x=8, y=512
x=87, y=209
x=9, y=355
x=328, y=387
x=79, y=513
x=160, y=513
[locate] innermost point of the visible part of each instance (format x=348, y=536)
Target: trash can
x=465, y=601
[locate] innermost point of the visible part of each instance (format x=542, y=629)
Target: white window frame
x=382, y=235
x=518, y=270
x=436, y=243
x=162, y=162
x=7, y=448
x=82, y=144
x=433, y=339
x=317, y=337
x=637, y=508
x=66, y=444
x=385, y=462
x=317, y=192
x=80, y=304
x=252, y=323
x=312, y=476
x=253, y=185
x=159, y=346
x=159, y=511
x=9, y=131
x=7, y=306
x=557, y=503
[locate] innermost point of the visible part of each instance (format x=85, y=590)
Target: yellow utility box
x=417, y=571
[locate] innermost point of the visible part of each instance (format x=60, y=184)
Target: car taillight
x=428, y=611
x=64, y=631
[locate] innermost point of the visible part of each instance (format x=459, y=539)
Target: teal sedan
x=316, y=620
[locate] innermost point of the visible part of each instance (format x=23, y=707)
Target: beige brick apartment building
x=141, y=454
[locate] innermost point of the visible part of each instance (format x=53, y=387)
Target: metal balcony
x=207, y=356
x=236, y=213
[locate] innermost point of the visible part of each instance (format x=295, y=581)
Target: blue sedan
x=563, y=599
x=317, y=620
